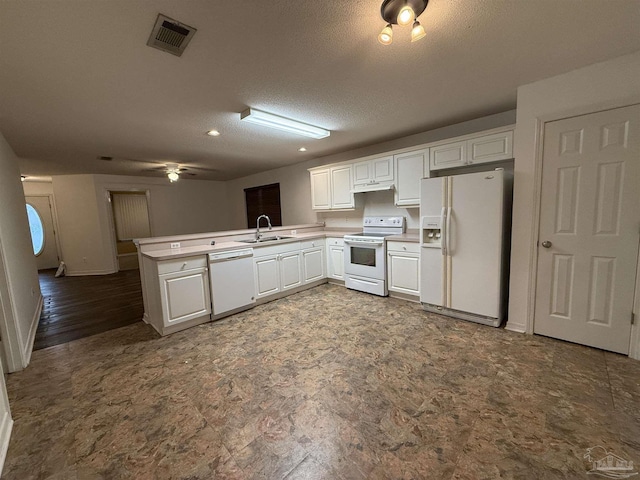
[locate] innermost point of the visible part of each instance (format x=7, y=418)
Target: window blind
x=131, y=216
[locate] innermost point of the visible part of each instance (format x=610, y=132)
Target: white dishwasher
x=232, y=284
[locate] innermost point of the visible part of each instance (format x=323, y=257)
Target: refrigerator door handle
x=449, y=231
x=444, y=233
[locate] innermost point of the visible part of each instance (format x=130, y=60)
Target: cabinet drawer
x=335, y=241
x=180, y=264
x=315, y=243
x=403, y=247
x=276, y=249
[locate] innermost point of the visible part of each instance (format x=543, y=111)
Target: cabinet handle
x=404, y=247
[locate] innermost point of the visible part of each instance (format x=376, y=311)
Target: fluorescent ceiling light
x=282, y=123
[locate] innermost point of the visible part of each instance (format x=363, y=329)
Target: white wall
x=20, y=296
x=85, y=222
x=186, y=206
x=37, y=188
x=84, y=243
x=295, y=188
x=605, y=85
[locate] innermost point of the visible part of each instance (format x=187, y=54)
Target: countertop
x=172, y=253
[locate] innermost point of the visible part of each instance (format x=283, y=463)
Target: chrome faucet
x=258, y=235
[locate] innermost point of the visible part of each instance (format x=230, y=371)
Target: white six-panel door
x=589, y=228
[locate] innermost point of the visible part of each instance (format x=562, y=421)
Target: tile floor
x=324, y=384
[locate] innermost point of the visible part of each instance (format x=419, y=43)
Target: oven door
x=364, y=258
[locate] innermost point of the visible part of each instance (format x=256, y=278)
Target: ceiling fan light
x=406, y=15
x=173, y=176
x=386, y=35
x=417, y=32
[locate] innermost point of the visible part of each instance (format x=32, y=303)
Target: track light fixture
x=402, y=12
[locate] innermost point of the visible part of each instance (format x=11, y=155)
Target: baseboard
x=28, y=348
x=515, y=327
x=6, y=425
x=89, y=272
x=405, y=296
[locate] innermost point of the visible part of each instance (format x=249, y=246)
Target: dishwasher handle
x=226, y=257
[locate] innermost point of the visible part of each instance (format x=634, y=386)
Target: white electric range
x=365, y=266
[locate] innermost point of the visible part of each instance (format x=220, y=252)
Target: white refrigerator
x=464, y=243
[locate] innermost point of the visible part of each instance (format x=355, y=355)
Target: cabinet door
x=382, y=169
x=290, y=270
x=491, y=148
x=184, y=296
x=410, y=169
x=320, y=190
x=313, y=264
x=404, y=273
x=448, y=156
x=362, y=173
x=335, y=261
x=267, y=275
x=341, y=196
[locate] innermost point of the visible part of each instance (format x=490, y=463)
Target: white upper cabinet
x=373, y=171
x=321, y=189
x=491, y=148
x=331, y=188
x=341, y=195
x=410, y=168
x=448, y=156
x=481, y=149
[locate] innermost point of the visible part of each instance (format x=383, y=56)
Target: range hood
x=373, y=187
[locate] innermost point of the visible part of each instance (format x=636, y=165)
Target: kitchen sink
x=265, y=239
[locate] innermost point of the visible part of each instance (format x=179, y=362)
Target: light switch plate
x=175, y=245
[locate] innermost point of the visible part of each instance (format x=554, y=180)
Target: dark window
x=264, y=200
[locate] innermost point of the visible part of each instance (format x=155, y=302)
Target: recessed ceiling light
x=213, y=133
x=302, y=149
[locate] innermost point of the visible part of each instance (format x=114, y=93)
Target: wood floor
x=77, y=307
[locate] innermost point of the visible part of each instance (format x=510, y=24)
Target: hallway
x=78, y=307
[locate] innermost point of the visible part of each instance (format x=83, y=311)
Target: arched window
x=37, y=230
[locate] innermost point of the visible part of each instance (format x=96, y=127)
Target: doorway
x=588, y=243
x=43, y=232
x=130, y=212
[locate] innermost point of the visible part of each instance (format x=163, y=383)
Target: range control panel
x=383, y=221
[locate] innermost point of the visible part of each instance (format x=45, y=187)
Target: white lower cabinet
x=403, y=267
x=290, y=270
x=313, y=261
x=277, y=268
x=184, y=290
x=267, y=275
x=335, y=258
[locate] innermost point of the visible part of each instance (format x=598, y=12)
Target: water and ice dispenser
x=431, y=231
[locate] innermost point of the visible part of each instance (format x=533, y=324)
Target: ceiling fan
x=170, y=169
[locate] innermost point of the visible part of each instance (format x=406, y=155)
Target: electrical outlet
x=294, y=232
x=175, y=245
x=84, y=259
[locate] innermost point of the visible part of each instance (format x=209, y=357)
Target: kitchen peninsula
x=175, y=270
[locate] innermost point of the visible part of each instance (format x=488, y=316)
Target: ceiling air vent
x=170, y=36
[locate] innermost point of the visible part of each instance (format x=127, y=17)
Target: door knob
x=547, y=244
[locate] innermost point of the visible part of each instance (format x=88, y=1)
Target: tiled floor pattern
x=325, y=384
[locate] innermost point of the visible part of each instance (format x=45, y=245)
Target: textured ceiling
x=78, y=81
